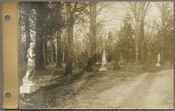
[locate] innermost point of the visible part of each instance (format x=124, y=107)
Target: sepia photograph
x=96, y=55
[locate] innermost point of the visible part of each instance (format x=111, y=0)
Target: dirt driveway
x=107, y=90
x=146, y=91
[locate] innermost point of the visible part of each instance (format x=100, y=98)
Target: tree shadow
x=65, y=87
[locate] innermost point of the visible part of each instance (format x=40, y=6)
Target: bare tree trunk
x=142, y=48
x=93, y=31
x=136, y=42
x=52, y=52
x=39, y=53
x=65, y=53
x=39, y=37
x=59, y=48
x=45, y=51
x=70, y=22
x=163, y=14
x=139, y=10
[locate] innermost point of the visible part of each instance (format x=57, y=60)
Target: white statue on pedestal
x=158, y=59
x=30, y=62
x=103, y=68
x=27, y=83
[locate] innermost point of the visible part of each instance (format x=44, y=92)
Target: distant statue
x=30, y=62
x=158, y=59
x=104, y=58
x=121, y=60
x=103, y=63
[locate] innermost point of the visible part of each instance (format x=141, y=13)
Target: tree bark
x=59, y=48
x=45, y=51
x=52, y=52
x=142, y=48
x=136, y=42
x=93, y=31
x=39, y=37
x=24, y=22
x=70, y=22
x=39, y=53
x=139, y=10
x=163, y=14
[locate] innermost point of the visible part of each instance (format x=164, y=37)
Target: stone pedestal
x=28, y=87
x=158, y=64
x=103, y=69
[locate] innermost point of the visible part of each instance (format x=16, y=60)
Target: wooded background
x=72, y=34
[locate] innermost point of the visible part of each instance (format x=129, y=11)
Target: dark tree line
x=47, y=21
x=70, y=33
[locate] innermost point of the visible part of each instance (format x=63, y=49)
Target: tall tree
x=24, y=38
x=126, y=44
x=45, y=49
x=70, y=22
x=145, y=6
x=59, y=48
x=135, y=9
x=93, y=31
x=73, y=10
x=42, y=14
x=139, y=11
x=166, y=12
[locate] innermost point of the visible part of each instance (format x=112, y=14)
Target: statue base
x=28, y=86
x=103, y=69
x=158, y=64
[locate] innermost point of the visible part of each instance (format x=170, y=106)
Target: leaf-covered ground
x=131, y=87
